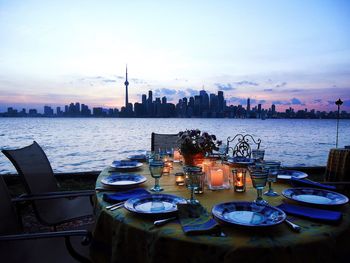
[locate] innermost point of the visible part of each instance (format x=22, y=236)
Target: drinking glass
x=272, y=167
x=258, y=155
x=150, y=156
x=156, y=169
x=259, y=178
x=193, y=179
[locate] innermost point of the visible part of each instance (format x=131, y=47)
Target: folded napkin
x=311, y=213
x=196, y=220
x=123, y=196
x=297, y=182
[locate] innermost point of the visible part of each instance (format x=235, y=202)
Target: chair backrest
x=241, y=145
x=163, y=141
x=34, y=168
x=9, y=223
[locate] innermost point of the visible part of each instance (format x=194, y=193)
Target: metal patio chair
x=163, y=141
x=241, y=145
x=54, y=207
x=16, y=246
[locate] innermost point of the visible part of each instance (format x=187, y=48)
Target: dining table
x=123, y=236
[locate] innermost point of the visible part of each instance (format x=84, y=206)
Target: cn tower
x=126, y=83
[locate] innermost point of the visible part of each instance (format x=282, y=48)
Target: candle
x=179, y=179
x=239, y=180
x=216, y=177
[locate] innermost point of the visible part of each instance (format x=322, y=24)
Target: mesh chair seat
x=37, y=176
x=48, y=249
x=163, y=142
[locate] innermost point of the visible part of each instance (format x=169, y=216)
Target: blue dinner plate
x=123, y=180
x=126, y=164
x=315, y=196
x=137, y=157
x=156, y=204
x=248, y=214
x=287, y=174
x=241, y=160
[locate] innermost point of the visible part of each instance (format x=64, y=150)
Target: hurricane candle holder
x=218, y=179
x=180, y=179
x=239, y=180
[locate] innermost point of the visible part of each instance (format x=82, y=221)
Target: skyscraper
x=126, y=83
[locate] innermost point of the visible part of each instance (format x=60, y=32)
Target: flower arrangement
x=195, y=141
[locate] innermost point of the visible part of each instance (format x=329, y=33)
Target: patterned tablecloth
x=121, y=236
x=338, y=165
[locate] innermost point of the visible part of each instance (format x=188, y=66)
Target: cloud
x=280, y=85
x=165, y=92
x=268, y=90
x=281, y=102
x=296, y=101
x=224, y=87
x=317, y=100
x=181, y=93
x=236, y=100
x=109, y=80
x=246, y=83
x=192, y=92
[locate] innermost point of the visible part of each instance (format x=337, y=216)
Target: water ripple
x=71, y=148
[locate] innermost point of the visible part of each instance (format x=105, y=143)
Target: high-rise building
x=221, y=100
x=126, y=83
x=248, y=105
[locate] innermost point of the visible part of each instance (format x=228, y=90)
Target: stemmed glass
x=156, y=169
x=272, y=167
x=193, y=181
x=259, y=178
x=258, y=155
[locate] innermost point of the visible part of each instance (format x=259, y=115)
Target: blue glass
x=156, y=169
x=259, y=179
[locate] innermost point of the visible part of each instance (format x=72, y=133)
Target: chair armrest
x=53, y=195
x=83, y=233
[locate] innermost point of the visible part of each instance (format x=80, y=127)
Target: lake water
x=85, y=144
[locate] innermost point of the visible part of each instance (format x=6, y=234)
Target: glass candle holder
x=218, y=179
x=239, y=180
x=180, y=179
x=177, y=156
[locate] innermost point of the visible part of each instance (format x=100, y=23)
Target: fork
x=110, y=207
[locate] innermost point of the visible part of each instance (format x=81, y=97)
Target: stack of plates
x=125, y=165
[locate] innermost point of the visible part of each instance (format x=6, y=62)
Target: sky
x=290, y=53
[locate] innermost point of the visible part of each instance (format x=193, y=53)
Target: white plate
x=315, y=196
x=126, y=165
x=123, y=180
x=287, y=174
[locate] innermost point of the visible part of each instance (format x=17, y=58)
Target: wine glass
x=272, y=167
x=193, y=177
x=156, y=169
x=258, y=155
x=259, y=178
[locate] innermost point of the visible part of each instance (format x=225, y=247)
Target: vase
x=193, y=159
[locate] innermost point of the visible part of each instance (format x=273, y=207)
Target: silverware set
x=115, y=206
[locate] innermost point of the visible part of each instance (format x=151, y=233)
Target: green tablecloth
x=121, y=236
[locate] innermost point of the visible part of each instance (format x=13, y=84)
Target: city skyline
x=202, y=105
x=290, y=53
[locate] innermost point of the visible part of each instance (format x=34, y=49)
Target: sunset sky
x=291, y=53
